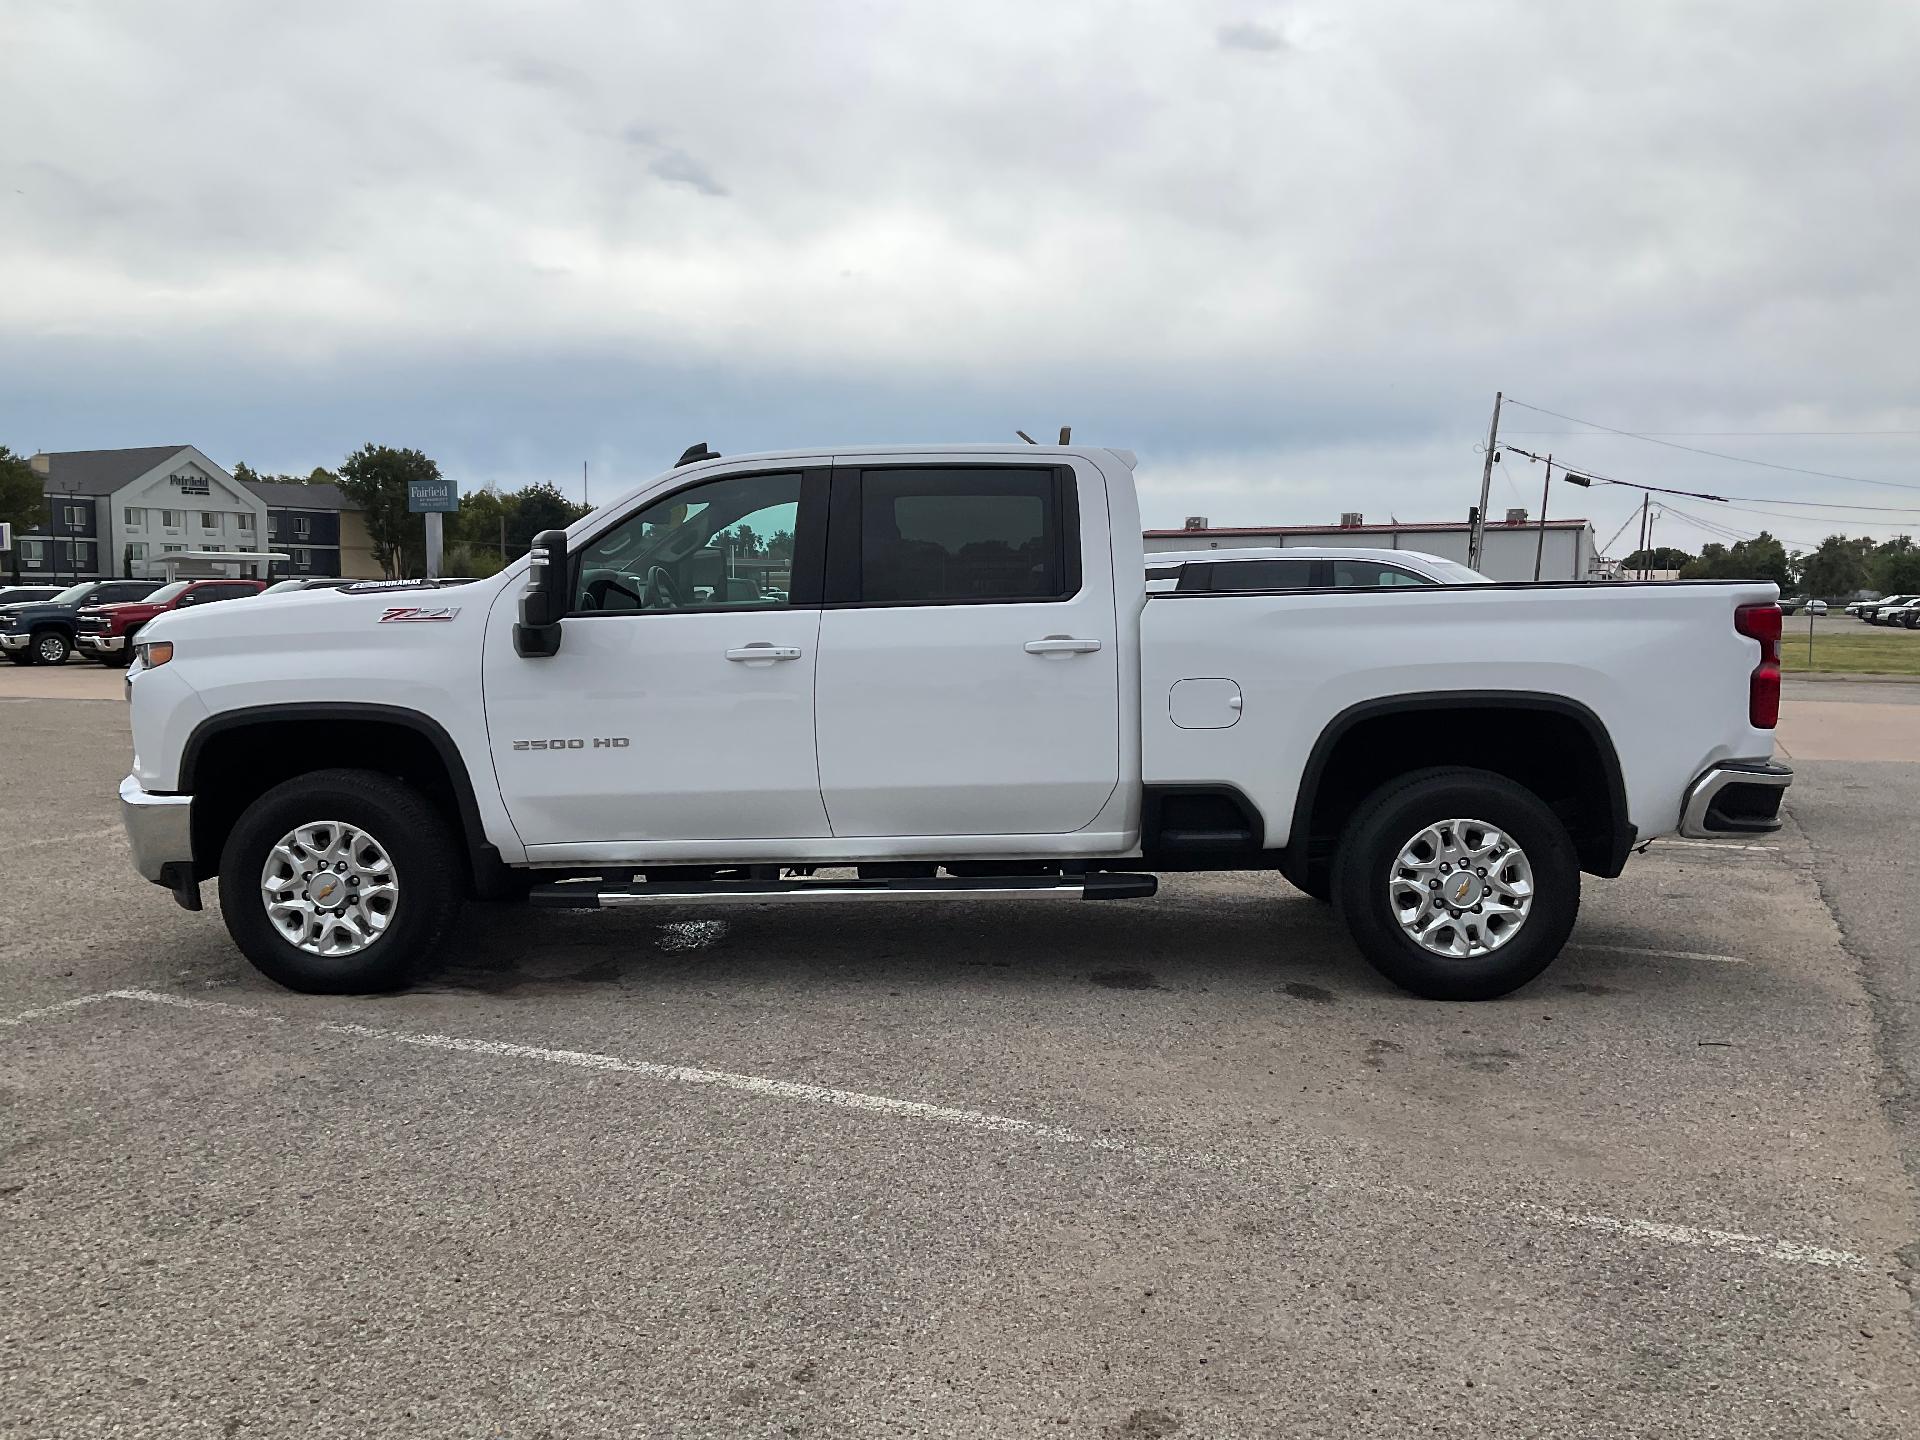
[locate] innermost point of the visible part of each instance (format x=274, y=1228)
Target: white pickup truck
x=935, y=672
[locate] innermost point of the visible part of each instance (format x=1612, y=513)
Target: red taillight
x=1762, y=623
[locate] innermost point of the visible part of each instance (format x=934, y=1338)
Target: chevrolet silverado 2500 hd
x=939, y=669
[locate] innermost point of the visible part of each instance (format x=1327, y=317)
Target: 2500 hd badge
x=599, y=742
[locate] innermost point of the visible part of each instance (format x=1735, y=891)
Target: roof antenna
x=1066, y=434
x=696, y=452
x=1026, y=437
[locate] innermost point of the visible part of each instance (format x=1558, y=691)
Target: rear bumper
x=1739, y=797
x=159, y=831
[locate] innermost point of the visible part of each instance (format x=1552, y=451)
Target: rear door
x=969, y=671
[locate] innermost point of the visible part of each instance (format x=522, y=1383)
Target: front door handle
x=761, y=653
x=1061, y=645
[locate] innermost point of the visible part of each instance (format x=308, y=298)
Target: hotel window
x=33, y=553
x=246, y=523
x=172, y=519
x=302, y=526
x=171, y=549
x=131, y=516
x=137, y=550
x=209, y=520
x=76, y=515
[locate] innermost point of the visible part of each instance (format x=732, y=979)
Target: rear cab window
x=954, y=535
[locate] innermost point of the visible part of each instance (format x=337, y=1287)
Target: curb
x=1849, y=678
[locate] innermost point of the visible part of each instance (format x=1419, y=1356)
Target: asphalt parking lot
x=1183, y=1167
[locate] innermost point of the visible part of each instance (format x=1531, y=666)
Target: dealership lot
x=1183, y=1167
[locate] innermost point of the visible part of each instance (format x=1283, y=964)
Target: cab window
x=724, y=545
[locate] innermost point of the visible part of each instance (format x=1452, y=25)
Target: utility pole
x=1540, y=545
x=1477, y=540
x=585, y=499
x=1645, y=525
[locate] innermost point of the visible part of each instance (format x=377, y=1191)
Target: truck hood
x=27, y=610
x=317, y=621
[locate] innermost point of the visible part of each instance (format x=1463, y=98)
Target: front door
x=680, y=704
x=969, y=676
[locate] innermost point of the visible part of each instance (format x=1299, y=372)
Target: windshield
x=165, y=593
x=73, y=593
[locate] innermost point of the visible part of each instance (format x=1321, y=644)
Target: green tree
x=1895, y=567
x=1661, y=557
x=375, y=478
x=535, y=508
x=319, y=475
x=1761, y=558
x=23, y=494
x=1836, y=568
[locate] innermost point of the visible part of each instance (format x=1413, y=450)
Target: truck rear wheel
x=340, y=882
x=1456, y=884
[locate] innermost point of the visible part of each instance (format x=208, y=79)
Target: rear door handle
x=1061, y=645
x=760, y=652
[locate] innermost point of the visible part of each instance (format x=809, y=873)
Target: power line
x=1651, y=434
x=1585, y=473
x=1715, y=454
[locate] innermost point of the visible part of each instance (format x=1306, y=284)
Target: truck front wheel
x=340, y=882
x=50, y=647
x=1456, y=884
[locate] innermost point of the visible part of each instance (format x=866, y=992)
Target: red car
x=107, y=631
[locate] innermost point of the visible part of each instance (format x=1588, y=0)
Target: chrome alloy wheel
x=1461, y=888
x=329, y=888
x=50, y=648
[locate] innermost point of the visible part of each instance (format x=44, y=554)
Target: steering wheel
x=660, y=593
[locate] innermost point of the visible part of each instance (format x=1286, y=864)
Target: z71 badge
x=412, y=613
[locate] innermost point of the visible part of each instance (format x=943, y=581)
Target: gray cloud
x=1246, y=35
x=679, y=168
x=486, y=230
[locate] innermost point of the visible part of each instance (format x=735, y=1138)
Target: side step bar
x=594, y=895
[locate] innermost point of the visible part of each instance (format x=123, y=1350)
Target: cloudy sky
x=1287, y=252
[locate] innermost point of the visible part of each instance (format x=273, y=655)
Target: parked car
x=20, y=594
x=966, y=691
x=1906, y=613
x=1303, y=567
x=1873, y=610
x=42, y=632
x=107, y=631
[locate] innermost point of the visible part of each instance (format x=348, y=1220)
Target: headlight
x=154, y=653
x=7, y=617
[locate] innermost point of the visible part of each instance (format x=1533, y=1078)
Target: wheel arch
x=1547, y=736
x=233, y=757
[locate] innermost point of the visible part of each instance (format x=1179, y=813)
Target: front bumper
x=1738, y=797
x=160, y=833
x=101, y=644
x=15, y=642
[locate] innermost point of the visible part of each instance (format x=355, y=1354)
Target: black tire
x=1317, y=884
x=427, y=864
x=49, y=647
x=1387, y=819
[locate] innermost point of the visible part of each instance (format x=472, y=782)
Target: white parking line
x=1658, y=954
x=60, y=839
x=74, y=1004
x=1720, y=845
x=1692, y=1236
